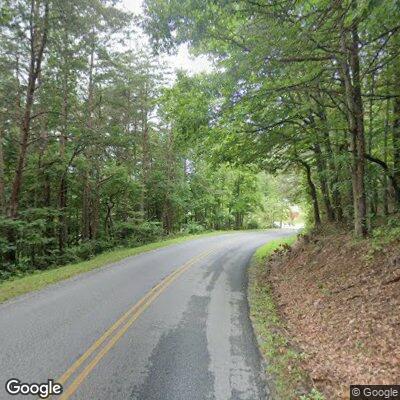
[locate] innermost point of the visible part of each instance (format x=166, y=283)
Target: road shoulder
x=282, y=361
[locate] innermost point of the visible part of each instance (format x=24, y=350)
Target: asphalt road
x=170, y=324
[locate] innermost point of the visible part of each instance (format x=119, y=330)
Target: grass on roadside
x=282, y=361
x=39, y=279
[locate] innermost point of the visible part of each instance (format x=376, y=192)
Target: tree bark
x=86, y=195
x=385, y=160
x=63, y=190
x=38, y=40
x=145, y=158
x=2, y=174
x=333, y=180
x=168, y=212
x=321, y=169
x=350, y=68
x=313, y=193
x=396, y=126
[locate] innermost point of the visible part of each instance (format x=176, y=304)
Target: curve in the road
x=171, y=324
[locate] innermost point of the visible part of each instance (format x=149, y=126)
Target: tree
x=296, y=78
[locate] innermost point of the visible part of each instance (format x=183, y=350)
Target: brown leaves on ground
x=341, y=306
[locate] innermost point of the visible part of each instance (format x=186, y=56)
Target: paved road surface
x=188, y=338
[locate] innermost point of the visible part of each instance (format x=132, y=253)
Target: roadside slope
x=339, y=301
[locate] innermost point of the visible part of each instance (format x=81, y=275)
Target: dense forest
x=99, y=149
x=102, y=146
x=310, y=86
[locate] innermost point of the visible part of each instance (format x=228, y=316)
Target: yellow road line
x=130, y=316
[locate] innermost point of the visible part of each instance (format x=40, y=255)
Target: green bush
x=147, y=232
x=132, y=233
x=253, y=224
x=193, y=228
x=83, y=251
x=29, y=243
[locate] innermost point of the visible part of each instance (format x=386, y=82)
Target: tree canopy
x=309, y=86
x=97, y=148
x=102, y=146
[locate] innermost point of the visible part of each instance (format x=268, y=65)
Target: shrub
x=132, y=234
x=83, y=251
x=193, y=228
x=148, y=232
x=253, y=224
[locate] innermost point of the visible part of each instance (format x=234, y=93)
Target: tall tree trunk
x=312, y=192
x=86, y=195
x=385, y=159
x=333, y=180
x=356, y=125
x=321, y=169
x=145, y=159
x=396, y=125
x=63, y=190
x=168, y=213
x=38, y=41
x=362, y=228
x=2, y=174
x=373, y=180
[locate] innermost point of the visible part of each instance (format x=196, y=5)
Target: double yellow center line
x=118, y=329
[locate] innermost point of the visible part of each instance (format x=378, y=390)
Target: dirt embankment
x=340, y=302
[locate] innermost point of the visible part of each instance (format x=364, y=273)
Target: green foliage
x=115, y=155
x=144, y=232
x=313, y=395
x=387, y=234
x=281, y=101
x=273, y=245
x=193, y=228
x=383, y=236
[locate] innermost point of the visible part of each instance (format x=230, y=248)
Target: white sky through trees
x=182, y=60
